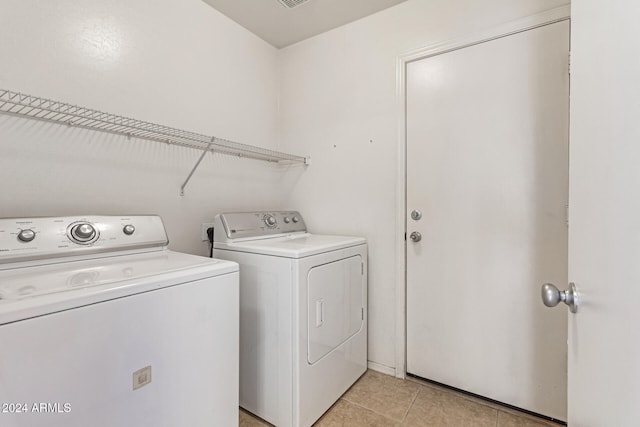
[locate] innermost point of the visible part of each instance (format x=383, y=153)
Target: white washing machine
x=303, y=313
x=101, y=325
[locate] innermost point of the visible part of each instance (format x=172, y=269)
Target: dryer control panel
x=238, y=225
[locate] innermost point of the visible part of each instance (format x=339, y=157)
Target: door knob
x=551, y=296
x=416, y=215
x=415, y=236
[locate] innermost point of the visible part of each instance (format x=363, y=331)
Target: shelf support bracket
x=204, y=153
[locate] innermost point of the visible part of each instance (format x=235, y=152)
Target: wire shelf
x=33, y=107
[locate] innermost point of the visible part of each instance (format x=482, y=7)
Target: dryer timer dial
x=270, y=221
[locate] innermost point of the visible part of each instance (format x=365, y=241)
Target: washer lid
x=37, y=290
x=293, y=246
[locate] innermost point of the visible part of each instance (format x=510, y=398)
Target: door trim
x=541, y=19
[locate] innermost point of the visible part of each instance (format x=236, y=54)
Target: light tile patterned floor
x=379, y=400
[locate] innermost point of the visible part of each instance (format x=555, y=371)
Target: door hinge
x=566, y=215
x=569, y=63
x=362, y=268
x=362, y=313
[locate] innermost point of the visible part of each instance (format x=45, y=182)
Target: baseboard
x=383, y=369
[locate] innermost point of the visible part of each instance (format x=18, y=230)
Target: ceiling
x=282, y=26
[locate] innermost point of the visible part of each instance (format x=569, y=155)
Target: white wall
x=182, y=64
x=174, y=62
x=339, y=105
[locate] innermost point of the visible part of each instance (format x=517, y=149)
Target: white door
x=604, y=237
x=487, y=167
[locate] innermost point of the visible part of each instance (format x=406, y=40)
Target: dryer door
x=334, y=305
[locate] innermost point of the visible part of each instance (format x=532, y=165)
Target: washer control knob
x=83, y=233
x=128, y=229
x=26, y=235
x=270, y=220
x=287, y=220
x=295, y=219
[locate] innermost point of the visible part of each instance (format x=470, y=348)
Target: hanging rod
x=33, y=107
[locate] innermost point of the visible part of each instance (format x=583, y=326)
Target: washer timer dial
x=83, y=233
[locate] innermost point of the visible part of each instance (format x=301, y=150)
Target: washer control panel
x=235, y=225
x=24, y=239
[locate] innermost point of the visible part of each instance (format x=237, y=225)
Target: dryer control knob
x=270, y=220
x=295, y=219
x=287, y=220
x=128, y=229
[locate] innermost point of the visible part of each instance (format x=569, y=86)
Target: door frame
x=528, y=23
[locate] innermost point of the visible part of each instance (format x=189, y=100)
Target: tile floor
x=379, y=400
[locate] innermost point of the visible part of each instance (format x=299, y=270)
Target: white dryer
x=303, y=313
